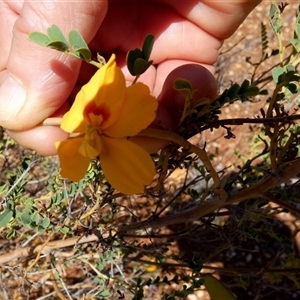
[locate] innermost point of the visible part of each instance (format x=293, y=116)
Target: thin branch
x=222, y=269
x=44, y=249
x=271, y=198
x=52, y=122
x=242, y=121
x=272, y=180
x=175, y=138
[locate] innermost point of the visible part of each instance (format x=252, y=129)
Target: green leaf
x=296, y=43
x=104, y=294
x=46, y=222
x=216, y=289
x=84, y=54
x=293, y=88
x=41, y=229
x=297, y=29
x=275, y=17
x=273, y=11
x=55, y=39
x=147, y=46
x=72, y=190
x=290, y=76
x=55, y=34
x=12, y=233
x=263, y=92
x=64, y=230
x=79, y=45
x=3, y=188
x=244, y=87
x=138, y=60
x=182, y=84
x=141, y=66
x=58, y=45
x=251, y=91
x=35, y=218
x=131, y=57
x=277, y=74
x=5, y=218
x=26, y=217
x=233, y=91
x=197, y=262
x=39, y=38
x=290, y=68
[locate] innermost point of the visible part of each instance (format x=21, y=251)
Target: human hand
x=37, y=83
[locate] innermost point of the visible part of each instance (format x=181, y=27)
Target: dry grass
x=50, y=265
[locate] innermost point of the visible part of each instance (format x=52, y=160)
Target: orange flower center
x=96, y=115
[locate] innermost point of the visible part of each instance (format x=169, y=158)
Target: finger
x=171, y=102
x=190, y=30
x=39, y=80
x=219, y=18
x=175, y=36
x=177, y=40
x=8, y=16
x=203, y=83
x=41, y=138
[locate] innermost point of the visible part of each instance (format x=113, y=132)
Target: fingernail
x=12, y=99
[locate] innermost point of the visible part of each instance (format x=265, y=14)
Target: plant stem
x=175, y=138
x=282, y=175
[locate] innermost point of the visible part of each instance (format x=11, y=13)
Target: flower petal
x=73, y=120
x=92, y=145
x=138, y=112
x=73, y=164
x=106, y=89
x=126, y=166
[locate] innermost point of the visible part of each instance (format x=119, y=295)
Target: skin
x=37, y=83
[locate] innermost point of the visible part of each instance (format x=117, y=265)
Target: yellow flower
x=104, y=114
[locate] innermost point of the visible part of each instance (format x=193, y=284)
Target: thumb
x=39, y=80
